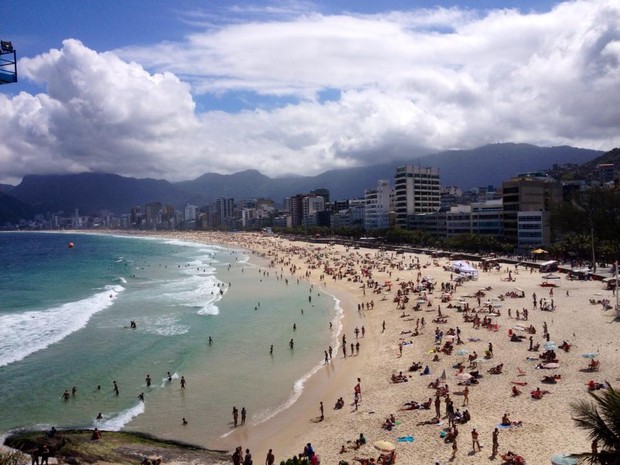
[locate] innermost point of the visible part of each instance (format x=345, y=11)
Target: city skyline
x=153, y=90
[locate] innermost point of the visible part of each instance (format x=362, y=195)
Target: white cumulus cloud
x=401, y=84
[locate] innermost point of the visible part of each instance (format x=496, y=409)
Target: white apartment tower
x=378, y=203
x=416, y=191
x=190, y=212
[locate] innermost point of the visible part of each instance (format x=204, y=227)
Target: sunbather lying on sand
x=512, y=458
x=538, y=394
x=551, y=379
x=415, y=366
x=412, y=405
x=399, y=378
x=592, y=385
x=496, y=370
x=364, y=461
x=432, y=421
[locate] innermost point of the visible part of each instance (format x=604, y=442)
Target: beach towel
x=500, y=426
x=405, y=439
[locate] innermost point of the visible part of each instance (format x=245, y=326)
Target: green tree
x=601, y=419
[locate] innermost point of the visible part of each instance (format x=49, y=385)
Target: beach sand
x=547, y=426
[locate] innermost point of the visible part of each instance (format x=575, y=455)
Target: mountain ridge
x=92, y=193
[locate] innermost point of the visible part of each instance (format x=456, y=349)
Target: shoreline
x=547, y=425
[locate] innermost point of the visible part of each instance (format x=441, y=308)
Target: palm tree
x=601, y=419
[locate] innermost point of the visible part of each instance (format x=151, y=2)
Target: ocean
x=65, y=322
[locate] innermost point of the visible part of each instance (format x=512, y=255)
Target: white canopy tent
x=464, y=268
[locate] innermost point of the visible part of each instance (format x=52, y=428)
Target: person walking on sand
x=322, y=411
x=495, y=442
x=247, y=460
x=474, y=440
x=270, y=459
x=466, y=396
x=235, y=413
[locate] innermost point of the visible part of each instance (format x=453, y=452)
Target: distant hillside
x=488, y=165
x=492, y=164
x=92, y=193
x=13, y=210
x=587, y=171
x=6, y=188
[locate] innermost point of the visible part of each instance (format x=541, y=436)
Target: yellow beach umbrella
x=385, y=446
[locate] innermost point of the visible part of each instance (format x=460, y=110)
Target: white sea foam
x=41, y=328
x=117, y=421
x=209, y=310
x=165, y=382
x=201, y=292
x=163, y=326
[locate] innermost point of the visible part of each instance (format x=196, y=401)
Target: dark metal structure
x=8, y=63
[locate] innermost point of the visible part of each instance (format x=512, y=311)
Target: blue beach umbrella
x=462, y=352
x=563, y=459
x=550, y=345
x=589, y=355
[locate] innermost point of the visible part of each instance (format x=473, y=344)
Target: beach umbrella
x=462, y=352
x=463, y=376
x=539, y=251
x=550, y=345
x=443, y=375
x=589, y=355
x=563, y=459
x=384, y=446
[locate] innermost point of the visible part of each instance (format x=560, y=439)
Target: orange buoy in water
x=70, y=245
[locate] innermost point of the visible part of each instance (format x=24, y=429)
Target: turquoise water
x=64, y=322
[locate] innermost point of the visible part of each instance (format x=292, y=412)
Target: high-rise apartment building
x=378, y=203
x=532, y=192
x=416, y=191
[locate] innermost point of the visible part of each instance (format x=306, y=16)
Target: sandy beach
x=385, y=297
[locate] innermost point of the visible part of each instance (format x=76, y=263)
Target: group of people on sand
x=365, y=271
x=239, y=458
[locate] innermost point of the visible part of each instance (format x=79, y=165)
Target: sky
x=173, y=90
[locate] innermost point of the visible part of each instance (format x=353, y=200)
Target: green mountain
x=92, y=193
